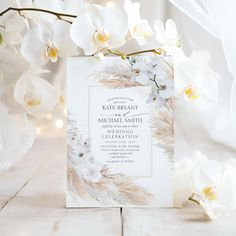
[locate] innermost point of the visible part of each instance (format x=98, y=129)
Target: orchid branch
x=158, y=51
x=154, y=81
x=21, y=10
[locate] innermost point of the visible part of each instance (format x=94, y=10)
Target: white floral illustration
x=90, y=179
x=156, y=72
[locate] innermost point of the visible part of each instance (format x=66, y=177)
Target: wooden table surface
x=32, y=203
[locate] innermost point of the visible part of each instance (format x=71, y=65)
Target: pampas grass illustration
x=117, y=83
x=112, y=189
x=162, y=123
x=117, y=75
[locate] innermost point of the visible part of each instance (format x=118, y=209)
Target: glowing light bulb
x=59, y=124
x=38, y=130
x=110, y=4
x=62, y=99
x=49, y=116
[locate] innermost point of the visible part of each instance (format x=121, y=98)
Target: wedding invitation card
x=120, y=132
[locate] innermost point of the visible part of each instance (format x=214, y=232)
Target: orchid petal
x=183, y=188
x=24, y=3
x=160, y=31
x=228, y=186
x=14, y=25
x=45, y=31
x=33, y=48
x=200, y=57
x=9, y=60
x=52, y=5
x=177, y=54
x=171, y=31
x=198, y=157
x=133, y=12
x=183, y=75
x=116, y=41
x=214, y=209
x=205, y=174
x=35, y=87
x=209, y=93
x=82, y=33
x=233, y=104
x=94, y=12
x=194, y=75
x=115, y=21
x=141, y=32
x=61, y=37
x=49, y=5
x=139, y=28
x=74, y=7
x=16, y=137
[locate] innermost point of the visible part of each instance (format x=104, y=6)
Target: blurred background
x=209, y=132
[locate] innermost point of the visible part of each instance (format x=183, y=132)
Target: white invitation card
x=120, y=132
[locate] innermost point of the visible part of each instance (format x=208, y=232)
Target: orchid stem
x=159, y=51
x=59, y=16
x=21, y=10
x=155, y=82
x=155, y=51
x=193, y=200
x=117, y=53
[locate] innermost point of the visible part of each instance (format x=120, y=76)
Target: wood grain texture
x=32, y=203
x=175, y=222
x=32, y=198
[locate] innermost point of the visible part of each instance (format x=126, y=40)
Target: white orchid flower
x=215, y=186
x=36, y=17
x=16, y=137
x=1, y=84
x=204, y=174
x=209, y=201
x=211, y=183
x=35, y=94
x=183, y=177
x=99, y=28
x=11, y=29
x=139, y=28
x=8, y=60
x=62, y=6
x=233, y=104
x=167, y=35
x=183, y=187
x=228, y=183
x=48, y=42
x=25, y=3
x=195, y=80
x=144, y=71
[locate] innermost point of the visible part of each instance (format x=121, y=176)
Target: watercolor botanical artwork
x=120, y=132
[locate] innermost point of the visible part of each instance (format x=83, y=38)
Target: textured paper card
x=120, y=132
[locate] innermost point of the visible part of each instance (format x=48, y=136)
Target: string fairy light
x=49, y=116
x=110, y=4
x=59, y=124
x=38, y=130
